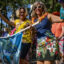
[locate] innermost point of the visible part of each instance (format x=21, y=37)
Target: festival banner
x=10, y=49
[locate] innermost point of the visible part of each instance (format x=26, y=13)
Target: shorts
x=24, y=50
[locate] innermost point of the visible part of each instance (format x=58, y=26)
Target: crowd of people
x=48, y=34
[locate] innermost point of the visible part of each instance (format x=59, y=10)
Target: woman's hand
x=54, y=18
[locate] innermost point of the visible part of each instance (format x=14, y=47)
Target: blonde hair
x=33, y=14
x=18, y=11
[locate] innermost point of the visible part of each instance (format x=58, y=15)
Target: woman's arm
x=54, y=18
x=6, y=20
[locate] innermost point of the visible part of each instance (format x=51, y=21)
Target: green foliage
x=57, y=7
x=51, y=5
x=14, y=4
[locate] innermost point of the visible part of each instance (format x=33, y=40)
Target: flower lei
x=41, y=18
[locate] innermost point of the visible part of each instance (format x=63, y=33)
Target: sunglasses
x=22, y=12
x=38, y=7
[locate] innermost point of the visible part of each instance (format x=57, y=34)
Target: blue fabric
x=43, y=26
x=10, y=49
x=5, y=34
x=62, y=13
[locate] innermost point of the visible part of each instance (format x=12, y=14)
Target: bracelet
x=63, y=20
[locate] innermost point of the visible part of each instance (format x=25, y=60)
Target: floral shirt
x=27, y=33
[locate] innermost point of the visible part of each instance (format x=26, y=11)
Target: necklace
x=40, y=19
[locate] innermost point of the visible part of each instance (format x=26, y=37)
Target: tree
x=7, y=5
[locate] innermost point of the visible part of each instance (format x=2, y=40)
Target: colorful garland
x=41, y=18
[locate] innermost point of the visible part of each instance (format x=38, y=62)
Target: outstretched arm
x=54, y=18
x=6, y=20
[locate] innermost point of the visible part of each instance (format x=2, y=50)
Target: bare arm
x=6, y=20
x=54, y=18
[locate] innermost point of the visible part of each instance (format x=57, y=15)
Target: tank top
x=43, y=26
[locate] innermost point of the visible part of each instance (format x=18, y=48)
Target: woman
x=46, y=49
x=58, y=30
x=22, y=23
